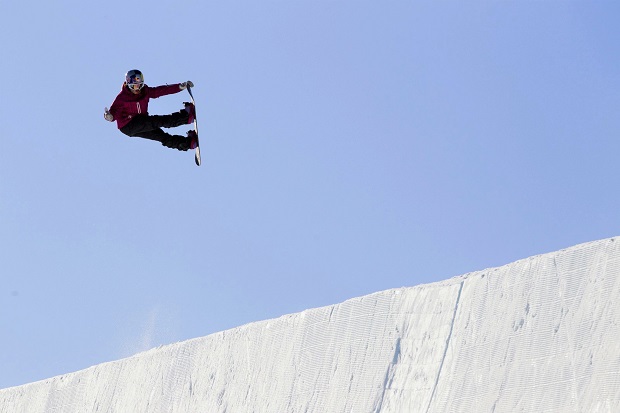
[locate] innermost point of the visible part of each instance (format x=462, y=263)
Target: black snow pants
x=149, y=127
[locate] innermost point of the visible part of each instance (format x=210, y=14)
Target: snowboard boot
x=191, y=110
x=193, y=139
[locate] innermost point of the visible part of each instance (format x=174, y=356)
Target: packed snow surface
x=538, y=335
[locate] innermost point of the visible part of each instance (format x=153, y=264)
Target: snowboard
x=197, y=153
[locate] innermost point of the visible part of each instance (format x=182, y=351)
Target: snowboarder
x=130, y=111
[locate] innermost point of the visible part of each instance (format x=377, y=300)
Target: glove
x=184, y=85
x=107, y=115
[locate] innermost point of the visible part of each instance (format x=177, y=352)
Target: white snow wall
x=538, y=335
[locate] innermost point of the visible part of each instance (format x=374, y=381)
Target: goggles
x=135, y=85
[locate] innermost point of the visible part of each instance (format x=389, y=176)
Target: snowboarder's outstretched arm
x=157, y=91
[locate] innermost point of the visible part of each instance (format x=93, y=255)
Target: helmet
x=134, y=79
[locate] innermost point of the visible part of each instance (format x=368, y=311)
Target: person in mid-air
x=130, y=111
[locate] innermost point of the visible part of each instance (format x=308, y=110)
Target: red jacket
x=127, y=104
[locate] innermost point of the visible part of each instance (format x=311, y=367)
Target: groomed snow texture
x=538, y=335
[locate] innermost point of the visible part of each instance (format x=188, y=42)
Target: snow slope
x=538, y=335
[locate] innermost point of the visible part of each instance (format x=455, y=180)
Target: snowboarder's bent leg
x=145, y=123
x=179, y=142
x=170, y=121
x=149, y=127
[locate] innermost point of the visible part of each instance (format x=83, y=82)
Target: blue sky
x=348, y=147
